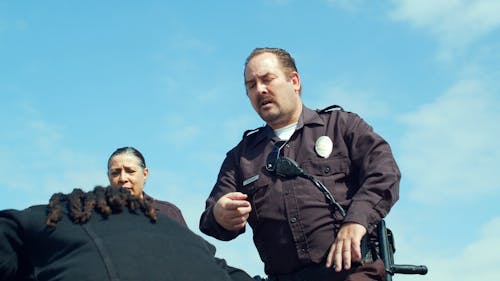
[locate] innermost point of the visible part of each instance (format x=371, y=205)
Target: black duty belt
x=316, y=272
x=311, y=272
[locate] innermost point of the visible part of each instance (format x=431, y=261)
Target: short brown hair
x=285, y=59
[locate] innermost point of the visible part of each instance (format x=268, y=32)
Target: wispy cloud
x=349, y=5
x=470, y=265
x=184, y=42
x=455, y=23
x=36, y=161
x=362, y=101
x=472, y=260
x=180, y=132
x=281, y=2
x=47, y=136
x=7, y=25
x=450, y=145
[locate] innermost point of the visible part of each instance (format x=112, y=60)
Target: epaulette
x=251, y=132
x=330, y=108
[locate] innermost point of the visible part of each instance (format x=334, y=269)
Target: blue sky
x=79, y=79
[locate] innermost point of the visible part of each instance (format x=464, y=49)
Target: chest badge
x=324, y=146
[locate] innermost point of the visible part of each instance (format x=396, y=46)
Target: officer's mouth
x=265, y=103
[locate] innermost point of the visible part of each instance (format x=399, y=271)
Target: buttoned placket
x=292, y=208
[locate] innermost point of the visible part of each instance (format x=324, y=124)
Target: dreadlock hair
x=54, y=209
x=104, y=200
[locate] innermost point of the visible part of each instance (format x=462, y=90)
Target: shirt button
x=327, y=170
x=292, y=220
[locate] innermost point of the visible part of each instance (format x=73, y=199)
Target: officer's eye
x=268, y=79
x=250, y=84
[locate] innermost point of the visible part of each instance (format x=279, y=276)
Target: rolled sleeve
x=378, y=176
x=226, y=182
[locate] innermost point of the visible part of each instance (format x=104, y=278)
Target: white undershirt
x=286, y=132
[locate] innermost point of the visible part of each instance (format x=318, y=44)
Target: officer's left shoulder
x=336, y=112
x=250, y=132
x=330, y=109
x=334, y=109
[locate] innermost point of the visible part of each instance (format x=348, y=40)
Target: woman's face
x=125, y=172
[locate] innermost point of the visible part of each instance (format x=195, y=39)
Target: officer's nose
x=261, y=88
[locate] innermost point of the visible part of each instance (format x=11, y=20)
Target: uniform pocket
x=256, y=187
x=332, y=172
x=336, y=167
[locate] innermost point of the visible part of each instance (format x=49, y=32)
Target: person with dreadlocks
x=104, y=234
x=127, y=169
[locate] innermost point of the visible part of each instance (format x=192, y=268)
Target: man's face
x=273, y=94
x=125, y=172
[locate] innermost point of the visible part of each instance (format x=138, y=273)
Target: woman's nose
x=123, y=177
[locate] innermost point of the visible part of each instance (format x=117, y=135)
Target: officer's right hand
x=232, y=210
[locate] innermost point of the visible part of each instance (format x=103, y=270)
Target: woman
x=104, y=234
x=127, y=169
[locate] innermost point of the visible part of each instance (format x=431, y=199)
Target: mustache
x=264, y=100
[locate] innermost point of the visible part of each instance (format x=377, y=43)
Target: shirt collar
x=308, y=117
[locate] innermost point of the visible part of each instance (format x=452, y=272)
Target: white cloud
x=281, y=2
x=179, y=132
x=477, y=261
x=451, y=144
x=361, y=101
x=234, y=127
x=470, y=262
x=349, y=5
x=456, y=23
x=47, y=135
x=31, y=137
x=19, y=25
x=36, y=162
x=22, y=25
x=184, y=42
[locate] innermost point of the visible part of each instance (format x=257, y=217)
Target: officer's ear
x=295, y=80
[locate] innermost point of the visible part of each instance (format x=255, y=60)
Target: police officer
x=298, y=232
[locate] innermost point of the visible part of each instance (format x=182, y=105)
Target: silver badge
x=324, y=146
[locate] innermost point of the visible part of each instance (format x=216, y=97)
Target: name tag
x=250, y=180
